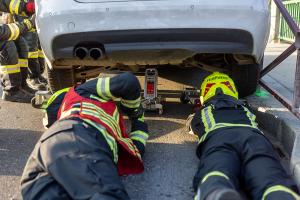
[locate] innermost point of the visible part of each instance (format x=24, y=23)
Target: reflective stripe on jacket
x=106, y=115
x=221, y=114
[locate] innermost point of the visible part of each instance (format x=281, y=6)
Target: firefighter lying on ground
x=233, y=152
x=12, y=66
x=82, y=155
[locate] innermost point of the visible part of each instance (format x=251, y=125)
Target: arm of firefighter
x=125, y=87
x=18, y=7
x=139, y=134
x=12, y=31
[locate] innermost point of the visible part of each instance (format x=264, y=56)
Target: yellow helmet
x=218, y=80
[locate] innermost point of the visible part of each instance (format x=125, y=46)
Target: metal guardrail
x=293, y=106
x=285, y=33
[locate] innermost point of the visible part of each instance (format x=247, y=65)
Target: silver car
x=82, y=37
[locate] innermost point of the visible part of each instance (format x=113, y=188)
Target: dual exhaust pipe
x=83, y=52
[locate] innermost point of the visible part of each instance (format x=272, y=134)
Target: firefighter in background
x=35, y=79
x=233, y=152
x=10, y=72
x=82, y=155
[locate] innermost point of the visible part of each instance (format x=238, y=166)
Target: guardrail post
x=296, y=102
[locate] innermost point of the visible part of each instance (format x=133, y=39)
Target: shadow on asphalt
x=15, y=147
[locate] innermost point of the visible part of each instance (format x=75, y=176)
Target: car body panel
x=71, y=22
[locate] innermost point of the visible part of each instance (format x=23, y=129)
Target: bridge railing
x=294, y=105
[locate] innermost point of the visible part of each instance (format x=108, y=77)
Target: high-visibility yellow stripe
x=14, y=31
x=23, y=63
x=208, y=121
x=251, y=117
x=9, y=69
x=205, y=118
x=131, y=103
x=109, y=139
x=211, y=125
x=97, y=98
x=102, y=112
x=116, y=115
x=99, y=113
x=222, y=125
x=280, y=188
x=131, y=146
x=103, y=89
x=95, y=114
x=14, y=6
x=140, y=136
x=214, y=173
x=28, y=24
x=41, y=54
x=33, y=54
x=56, y=94
x=94, y=111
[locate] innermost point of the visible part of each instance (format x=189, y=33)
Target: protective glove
x=30, y=23
x=139, y=124
x=139, y=133
x=133, y=113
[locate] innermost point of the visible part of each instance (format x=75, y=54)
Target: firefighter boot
x=35, y=84
x=17, y=96
x=24, y=86
x=224, y=194
x=43, y=80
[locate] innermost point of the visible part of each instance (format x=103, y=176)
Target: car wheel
x=60, y=78
x=246, y=78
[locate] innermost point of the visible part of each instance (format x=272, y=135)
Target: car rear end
x=156, y=32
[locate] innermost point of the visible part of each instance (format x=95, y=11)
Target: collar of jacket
x=223, y=101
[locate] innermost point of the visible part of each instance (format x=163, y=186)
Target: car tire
x=60, y=78
x=246, y=78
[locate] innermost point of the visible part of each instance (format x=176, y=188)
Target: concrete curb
x=276, y=119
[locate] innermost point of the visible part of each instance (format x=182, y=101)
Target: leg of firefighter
x=33, y=62
x=217, y=175
x=75, y=157
x=42, y=64
x=11, y=76
x=264, y=176
x=22, y=49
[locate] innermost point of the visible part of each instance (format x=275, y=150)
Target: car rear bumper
x=236, y=27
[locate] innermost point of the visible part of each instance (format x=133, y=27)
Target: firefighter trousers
x=72, y=161
x=242, y=159
x=14, y=64
x=10, y=71
x=34, y=70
